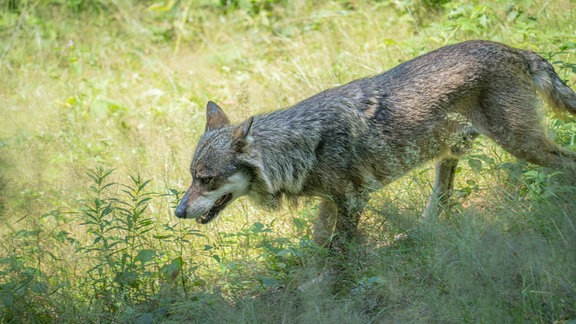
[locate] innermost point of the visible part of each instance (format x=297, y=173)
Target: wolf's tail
x=557, y=95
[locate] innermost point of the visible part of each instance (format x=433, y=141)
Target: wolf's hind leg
x=458, y=144
x=514, y=121
x=443, y=186
x=535, y=147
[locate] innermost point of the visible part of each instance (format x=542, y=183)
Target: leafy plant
x=123, y=270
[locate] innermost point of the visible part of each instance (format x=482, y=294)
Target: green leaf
x=258, y=228
x=145, y=256
x=26, y=233
x=39, y=288
x=173, y=269
x=269, y=282
x=475, y=165
x=166, y=6
x=143, y=185
x=107, y=210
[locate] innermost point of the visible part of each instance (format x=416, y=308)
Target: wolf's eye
x=205, y=180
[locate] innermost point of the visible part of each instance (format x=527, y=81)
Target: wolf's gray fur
x=346, y=142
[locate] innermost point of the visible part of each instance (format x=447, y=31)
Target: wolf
x=346, y=142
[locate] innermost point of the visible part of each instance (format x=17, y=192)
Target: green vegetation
x=102, y=102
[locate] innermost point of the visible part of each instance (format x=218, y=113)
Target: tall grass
x=88, y=87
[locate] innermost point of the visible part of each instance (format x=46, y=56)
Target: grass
x=103, y=101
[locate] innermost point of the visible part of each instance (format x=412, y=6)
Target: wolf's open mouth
x=219, y=205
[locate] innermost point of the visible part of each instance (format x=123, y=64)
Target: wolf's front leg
x=325, y=222
x=337, y=221
x=347, y=219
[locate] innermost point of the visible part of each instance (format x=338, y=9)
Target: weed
x=118, y=226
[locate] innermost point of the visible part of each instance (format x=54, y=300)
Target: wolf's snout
x=180, y=211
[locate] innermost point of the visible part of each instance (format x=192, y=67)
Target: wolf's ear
x=241, y=135
x=215, y=117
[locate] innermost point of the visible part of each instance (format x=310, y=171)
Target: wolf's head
x=218, y=174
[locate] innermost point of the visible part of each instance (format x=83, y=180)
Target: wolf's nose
x=180, y=211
